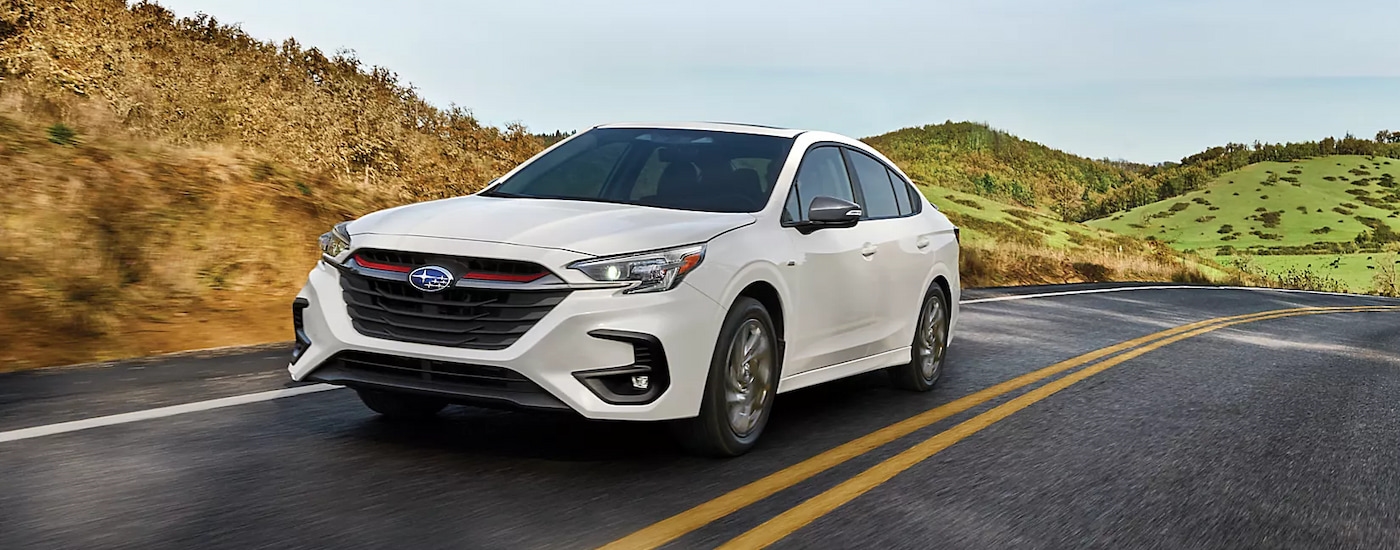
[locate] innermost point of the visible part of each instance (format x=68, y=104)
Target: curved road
x=1143, y=418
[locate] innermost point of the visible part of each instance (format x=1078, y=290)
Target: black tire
x=933, y=323
x=401, y=406
x=712, y=433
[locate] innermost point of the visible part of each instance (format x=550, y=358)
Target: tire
x=739, y=390
x=401, y=406
x=930, y=346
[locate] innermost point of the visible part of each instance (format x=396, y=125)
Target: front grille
x=473, y=318
x=441, y=373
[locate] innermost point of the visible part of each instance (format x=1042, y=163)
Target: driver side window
x=822, y=173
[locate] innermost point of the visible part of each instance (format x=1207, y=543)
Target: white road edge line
x=64, y=427
x=1012, y=297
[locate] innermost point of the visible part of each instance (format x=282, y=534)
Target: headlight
x=651, y=271
x=336, y=242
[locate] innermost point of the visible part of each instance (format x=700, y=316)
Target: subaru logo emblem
x=430, y=278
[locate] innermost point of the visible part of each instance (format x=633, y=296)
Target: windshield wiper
x=508, y=195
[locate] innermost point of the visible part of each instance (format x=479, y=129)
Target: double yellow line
x=784, y=524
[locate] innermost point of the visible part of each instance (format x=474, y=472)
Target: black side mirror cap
x=830, y=212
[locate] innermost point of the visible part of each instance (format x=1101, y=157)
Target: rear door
x=835, y=280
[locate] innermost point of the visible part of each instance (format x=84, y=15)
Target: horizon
x=1145, y=84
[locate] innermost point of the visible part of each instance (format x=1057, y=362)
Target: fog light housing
x=637, y=384
x=302, y=342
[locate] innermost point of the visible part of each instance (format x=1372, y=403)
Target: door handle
x=922, y=243
x=869, y=250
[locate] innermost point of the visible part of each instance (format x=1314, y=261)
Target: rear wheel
x=930, y=345
x=740, y=387
x=401, y=406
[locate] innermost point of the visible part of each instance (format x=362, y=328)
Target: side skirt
x=842, y=370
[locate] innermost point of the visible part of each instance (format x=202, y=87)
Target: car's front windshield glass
x=667, y=168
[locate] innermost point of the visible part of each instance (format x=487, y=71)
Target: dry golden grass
x=109, y=248
x=1010, y=263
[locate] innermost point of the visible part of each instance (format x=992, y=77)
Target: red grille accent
x=386, y=267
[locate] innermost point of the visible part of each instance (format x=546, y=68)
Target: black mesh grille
x=442, y=374
x=456, y=317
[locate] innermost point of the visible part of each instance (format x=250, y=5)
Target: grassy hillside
x=112, y=246
x=1336, y=205
x=1008, y=245
x=976, y=159
x=163, y=180
x=194, y=81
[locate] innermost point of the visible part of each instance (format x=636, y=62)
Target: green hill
x=1004, y=244
x=977, y=159
x=1284, y=214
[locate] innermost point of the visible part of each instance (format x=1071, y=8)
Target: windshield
x=681, y=169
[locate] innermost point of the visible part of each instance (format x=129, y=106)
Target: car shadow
x=570, y=438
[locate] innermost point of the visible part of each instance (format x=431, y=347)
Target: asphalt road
x=1277, y=433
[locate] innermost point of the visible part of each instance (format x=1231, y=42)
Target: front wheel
x=740, y=387
x=930, y=345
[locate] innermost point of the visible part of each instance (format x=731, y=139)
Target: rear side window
x=901, y=193
x=875, y=189
x=822, y=174
x=909, y=192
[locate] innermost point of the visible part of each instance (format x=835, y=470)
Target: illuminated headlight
x=336, y=242
x=650, y=271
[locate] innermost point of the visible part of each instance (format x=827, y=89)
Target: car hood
x=593, y=228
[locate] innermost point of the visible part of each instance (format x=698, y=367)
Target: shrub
x=1224, y=229
x=1341, y=211
x=1269, y=219
x=62, y=134
x=1204, y=219
x=1322, y=230
x=1177, y=207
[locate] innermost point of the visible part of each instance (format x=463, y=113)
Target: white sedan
x=679, y=272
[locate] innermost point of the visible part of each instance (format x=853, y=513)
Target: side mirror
x=825, y=212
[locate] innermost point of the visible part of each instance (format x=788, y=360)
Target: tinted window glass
x=822, y=174
x=909, y=192
x=681, y=169
x=901, y=193
x=874, y=187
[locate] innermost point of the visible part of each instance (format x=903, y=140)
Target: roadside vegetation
x=1004, y=244
x=1330, y=220
x=977, y=159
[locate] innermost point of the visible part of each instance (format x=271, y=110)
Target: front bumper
x=590, y=331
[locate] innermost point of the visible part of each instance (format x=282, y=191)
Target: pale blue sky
x=1144, y=80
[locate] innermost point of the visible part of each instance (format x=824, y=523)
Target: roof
x=712, y=126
